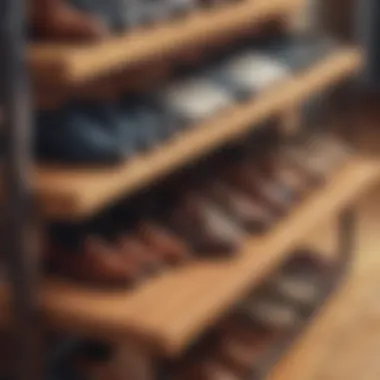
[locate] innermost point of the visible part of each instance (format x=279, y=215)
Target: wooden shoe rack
x=162, y=318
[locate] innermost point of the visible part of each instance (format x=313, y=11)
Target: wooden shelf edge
x=170, y=312
x=70, y=64
x=75, y=193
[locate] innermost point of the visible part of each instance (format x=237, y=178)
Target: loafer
x=168, y=246
x=97, y=263
x=204, y=225
x=252, y=216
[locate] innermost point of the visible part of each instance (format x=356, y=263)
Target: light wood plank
x=68, y=193
x=171, y=311
x=73, y=64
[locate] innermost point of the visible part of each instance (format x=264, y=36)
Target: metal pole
x=21, y=261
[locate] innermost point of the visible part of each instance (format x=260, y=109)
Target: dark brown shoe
x=168, y=246
x=208, y=369
x=98, y=263
x=248, y=179
x=314, y=162
x=271, y=314
x=59, y=21
x=133, y=248
x=287, y=175
x=243, y=352
x=205, y=227
x=248, y=213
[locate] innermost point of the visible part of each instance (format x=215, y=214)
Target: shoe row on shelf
x=87, y=20
x=112, y=131
x=207, y=211
x=245, y=342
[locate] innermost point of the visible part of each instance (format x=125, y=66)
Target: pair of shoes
x=123, y=261
x=240, y=344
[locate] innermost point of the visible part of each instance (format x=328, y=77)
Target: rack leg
x=133, y=362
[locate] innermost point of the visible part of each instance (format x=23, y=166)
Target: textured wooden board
x=73, y=64
x=67, y=193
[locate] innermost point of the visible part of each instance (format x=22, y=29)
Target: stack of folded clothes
x=113, y=131
x=78, y=21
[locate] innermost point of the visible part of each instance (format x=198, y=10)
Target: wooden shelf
x=64, y=64
x=67, y=193
x=169, y=312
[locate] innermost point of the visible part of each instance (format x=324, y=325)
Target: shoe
x=271, y=314
x=305, y=262
x=242, y=353
x=208, y=369
x=313, y=160
x=312, y=166
x=205, y=227
x=299, y=289
x=270, y=194
x=149, y=261
x=57, y=20
x=287, y=175
x=335, y=149
x=169, y=247
x=249, y=214
x=97, y=263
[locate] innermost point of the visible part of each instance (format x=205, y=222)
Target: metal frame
x=22, y=268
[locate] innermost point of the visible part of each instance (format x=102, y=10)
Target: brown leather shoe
x=168, y=246
x=306, y=261
x=133, y=248
x=208, y=369
x=243, y=352
x=205, y=227
x=272, y=314
x=314, y=164
x=247, y=212
x=98, y=263
x=58, y=20
x=248, y=179
x=274, y=168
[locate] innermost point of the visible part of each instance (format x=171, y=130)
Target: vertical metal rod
x=21, y=261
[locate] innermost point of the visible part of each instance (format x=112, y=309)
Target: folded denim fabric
x=81, y=134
